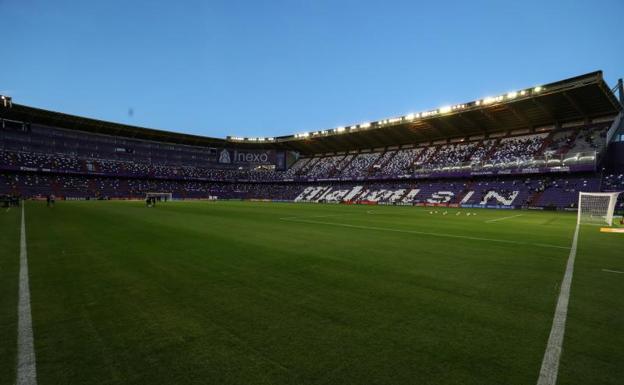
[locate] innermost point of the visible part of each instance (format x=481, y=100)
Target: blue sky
x=268, y=68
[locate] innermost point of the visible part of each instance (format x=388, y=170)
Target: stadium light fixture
x=491, y=100
x=427, y=114
x=410, y=116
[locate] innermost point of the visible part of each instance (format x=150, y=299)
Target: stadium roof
x=584, y=97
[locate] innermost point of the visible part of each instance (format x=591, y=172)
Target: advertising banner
x=260, y=157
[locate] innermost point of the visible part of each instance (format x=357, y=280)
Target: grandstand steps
x=305, y=169
x=92, y=187
x=342, y=167
x=83, y=166
x=463, y=193
x=533, y=199
x=471, y=153
x=55, y=187
x=372, y=170
x=491, y=151
x=297, y=166
x=568, y=146
x=124, y=185
x=416, y=159
x=335, y=169
x=424, y=156
x=545, y=144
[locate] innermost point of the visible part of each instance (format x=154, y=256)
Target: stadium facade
x=536, y=147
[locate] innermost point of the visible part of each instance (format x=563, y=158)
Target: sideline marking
x=613, y=271
x=503, y=218
x=26, y=365
x=550, y=363
x=443, y=235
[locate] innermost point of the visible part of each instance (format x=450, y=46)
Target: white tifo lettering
x=499, y=198
x=337, y=194
x=441, y=197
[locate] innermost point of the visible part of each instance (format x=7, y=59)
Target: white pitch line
x=550, y=363
x=503, y=218
x=443, y=235
x=26, y=364
x=613, y=271
x=315, y=216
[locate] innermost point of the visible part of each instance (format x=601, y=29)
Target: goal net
x=160, y=196
x=596, y=208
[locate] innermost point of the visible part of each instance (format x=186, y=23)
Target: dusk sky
x=251, y=68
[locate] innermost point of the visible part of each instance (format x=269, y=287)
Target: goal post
x=160, y=196
x=596, y=208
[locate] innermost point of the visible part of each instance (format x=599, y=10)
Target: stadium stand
x=480, y=161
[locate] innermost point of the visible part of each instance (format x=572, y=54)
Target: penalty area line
x=26, y=364
x=315, y=216
x=550, y=363
x=416, y=232
x=503, y=218
x=613, y=271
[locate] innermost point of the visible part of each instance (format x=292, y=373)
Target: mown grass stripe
x=442, y=235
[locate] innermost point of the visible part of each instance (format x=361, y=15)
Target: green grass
x=230, y=293
x=9, y=267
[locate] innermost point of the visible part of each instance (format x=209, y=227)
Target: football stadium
x=339, y=254
x=472, y=243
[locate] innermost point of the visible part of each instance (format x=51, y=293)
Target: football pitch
x=279, y=293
